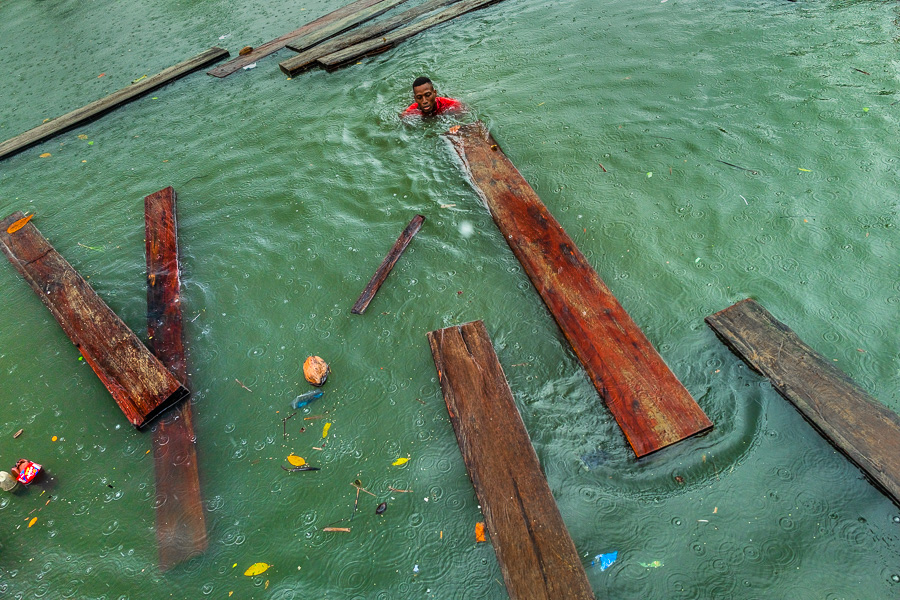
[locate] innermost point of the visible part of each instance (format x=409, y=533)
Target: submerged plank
x=855, y=423
x=93, y=110
x=308, y=57
x=239, y=62
x=536, y=554
x=380, y=44
x=387, y=264
x=651, y=406
x=137, y=380
x=180, y=521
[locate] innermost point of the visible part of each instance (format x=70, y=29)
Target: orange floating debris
x=19, y=224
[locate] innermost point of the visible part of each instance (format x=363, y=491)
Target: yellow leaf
x=46, y=155
x=400, y=461
x=256, y=569
x=82, y=137
x=479, y=532
x=19, y=224
x=325, y=429
x=296, y=460
x=32, y=521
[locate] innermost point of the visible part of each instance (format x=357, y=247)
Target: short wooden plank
x=262, y=51
x=380, y=44
x=387, y=264
x=651, y=406
x=304, y=42
x=308, y=57
x=140, y=384
x=859, y=426
x=536, y=554
x=180, y=520
x=97, y=108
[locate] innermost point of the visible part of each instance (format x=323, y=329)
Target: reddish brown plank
x=180, y=521
x=137, y=380
x=239, y=62
x=536, y=554
x=387, y=264
x=651, y=406
x=859, y=426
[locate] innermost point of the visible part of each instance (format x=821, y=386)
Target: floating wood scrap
x=309, y=55
x=854, y=422
x=302, y=42
x=239, y=62
x=387, y=264
x=180, y=521
x=95, y=109
x=137, y=380
x=380, y=44
x=651, y=406
x=536, y=554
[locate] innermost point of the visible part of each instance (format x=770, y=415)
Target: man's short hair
x=421, y=81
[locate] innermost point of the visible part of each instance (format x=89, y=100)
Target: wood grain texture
x=380, y=44
x=536, y=554
x=180, y=521
x=308, y=57
x=97, y=108
x=856, y=424
x=308, y=40
x=651, y=406
x=387, y=264
x=262, y=51
x=140, y=384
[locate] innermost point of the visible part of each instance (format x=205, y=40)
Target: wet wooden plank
x=536, y=554
x=308, y=57
x=304, y=42
x=97, y=108
x=137, y=380
x=180, y=521
x=387, y=264
x=651, y=406
x=262, y=51
x=859, y=426
x=380, y=44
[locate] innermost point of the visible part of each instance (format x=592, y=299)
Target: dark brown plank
x=651, y=406
x=239, y=62
x=304, y=42
x=139, y=383
x=180, y=521
x=537, y=557
x=97, y=108
x=380, y=44
x=308, y=57
x=387, y=264
x=855, y=423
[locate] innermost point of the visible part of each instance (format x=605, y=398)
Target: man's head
x=423, y=91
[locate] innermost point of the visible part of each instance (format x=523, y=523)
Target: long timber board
x=140, y=384
x=97, y=108
x=860, y=427
x=537, y=557
x=180, y=521
x=651, y=406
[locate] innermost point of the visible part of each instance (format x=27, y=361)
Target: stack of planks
x=333, y=40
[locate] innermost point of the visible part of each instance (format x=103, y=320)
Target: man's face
x=426, y=97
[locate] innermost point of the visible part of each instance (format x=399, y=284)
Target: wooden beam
x=139, y=383
x=859, y=426
x=239, y=62
x=180, y=521
x=387, y=264
x=308, y=57
x=537, y=557
x=304, y=42
x=651, y=406
x=380, y=44
x=97, y=108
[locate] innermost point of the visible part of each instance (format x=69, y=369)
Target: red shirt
x=442, y=105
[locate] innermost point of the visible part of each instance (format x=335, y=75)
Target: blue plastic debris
x=304, y=399
x=605, y=560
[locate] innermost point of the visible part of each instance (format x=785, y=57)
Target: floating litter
x=605, y=560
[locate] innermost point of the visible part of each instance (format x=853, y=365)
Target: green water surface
x=290, y=192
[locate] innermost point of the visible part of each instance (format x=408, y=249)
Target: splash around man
x=428, y=103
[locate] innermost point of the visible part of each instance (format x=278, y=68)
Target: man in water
x=428, y=103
